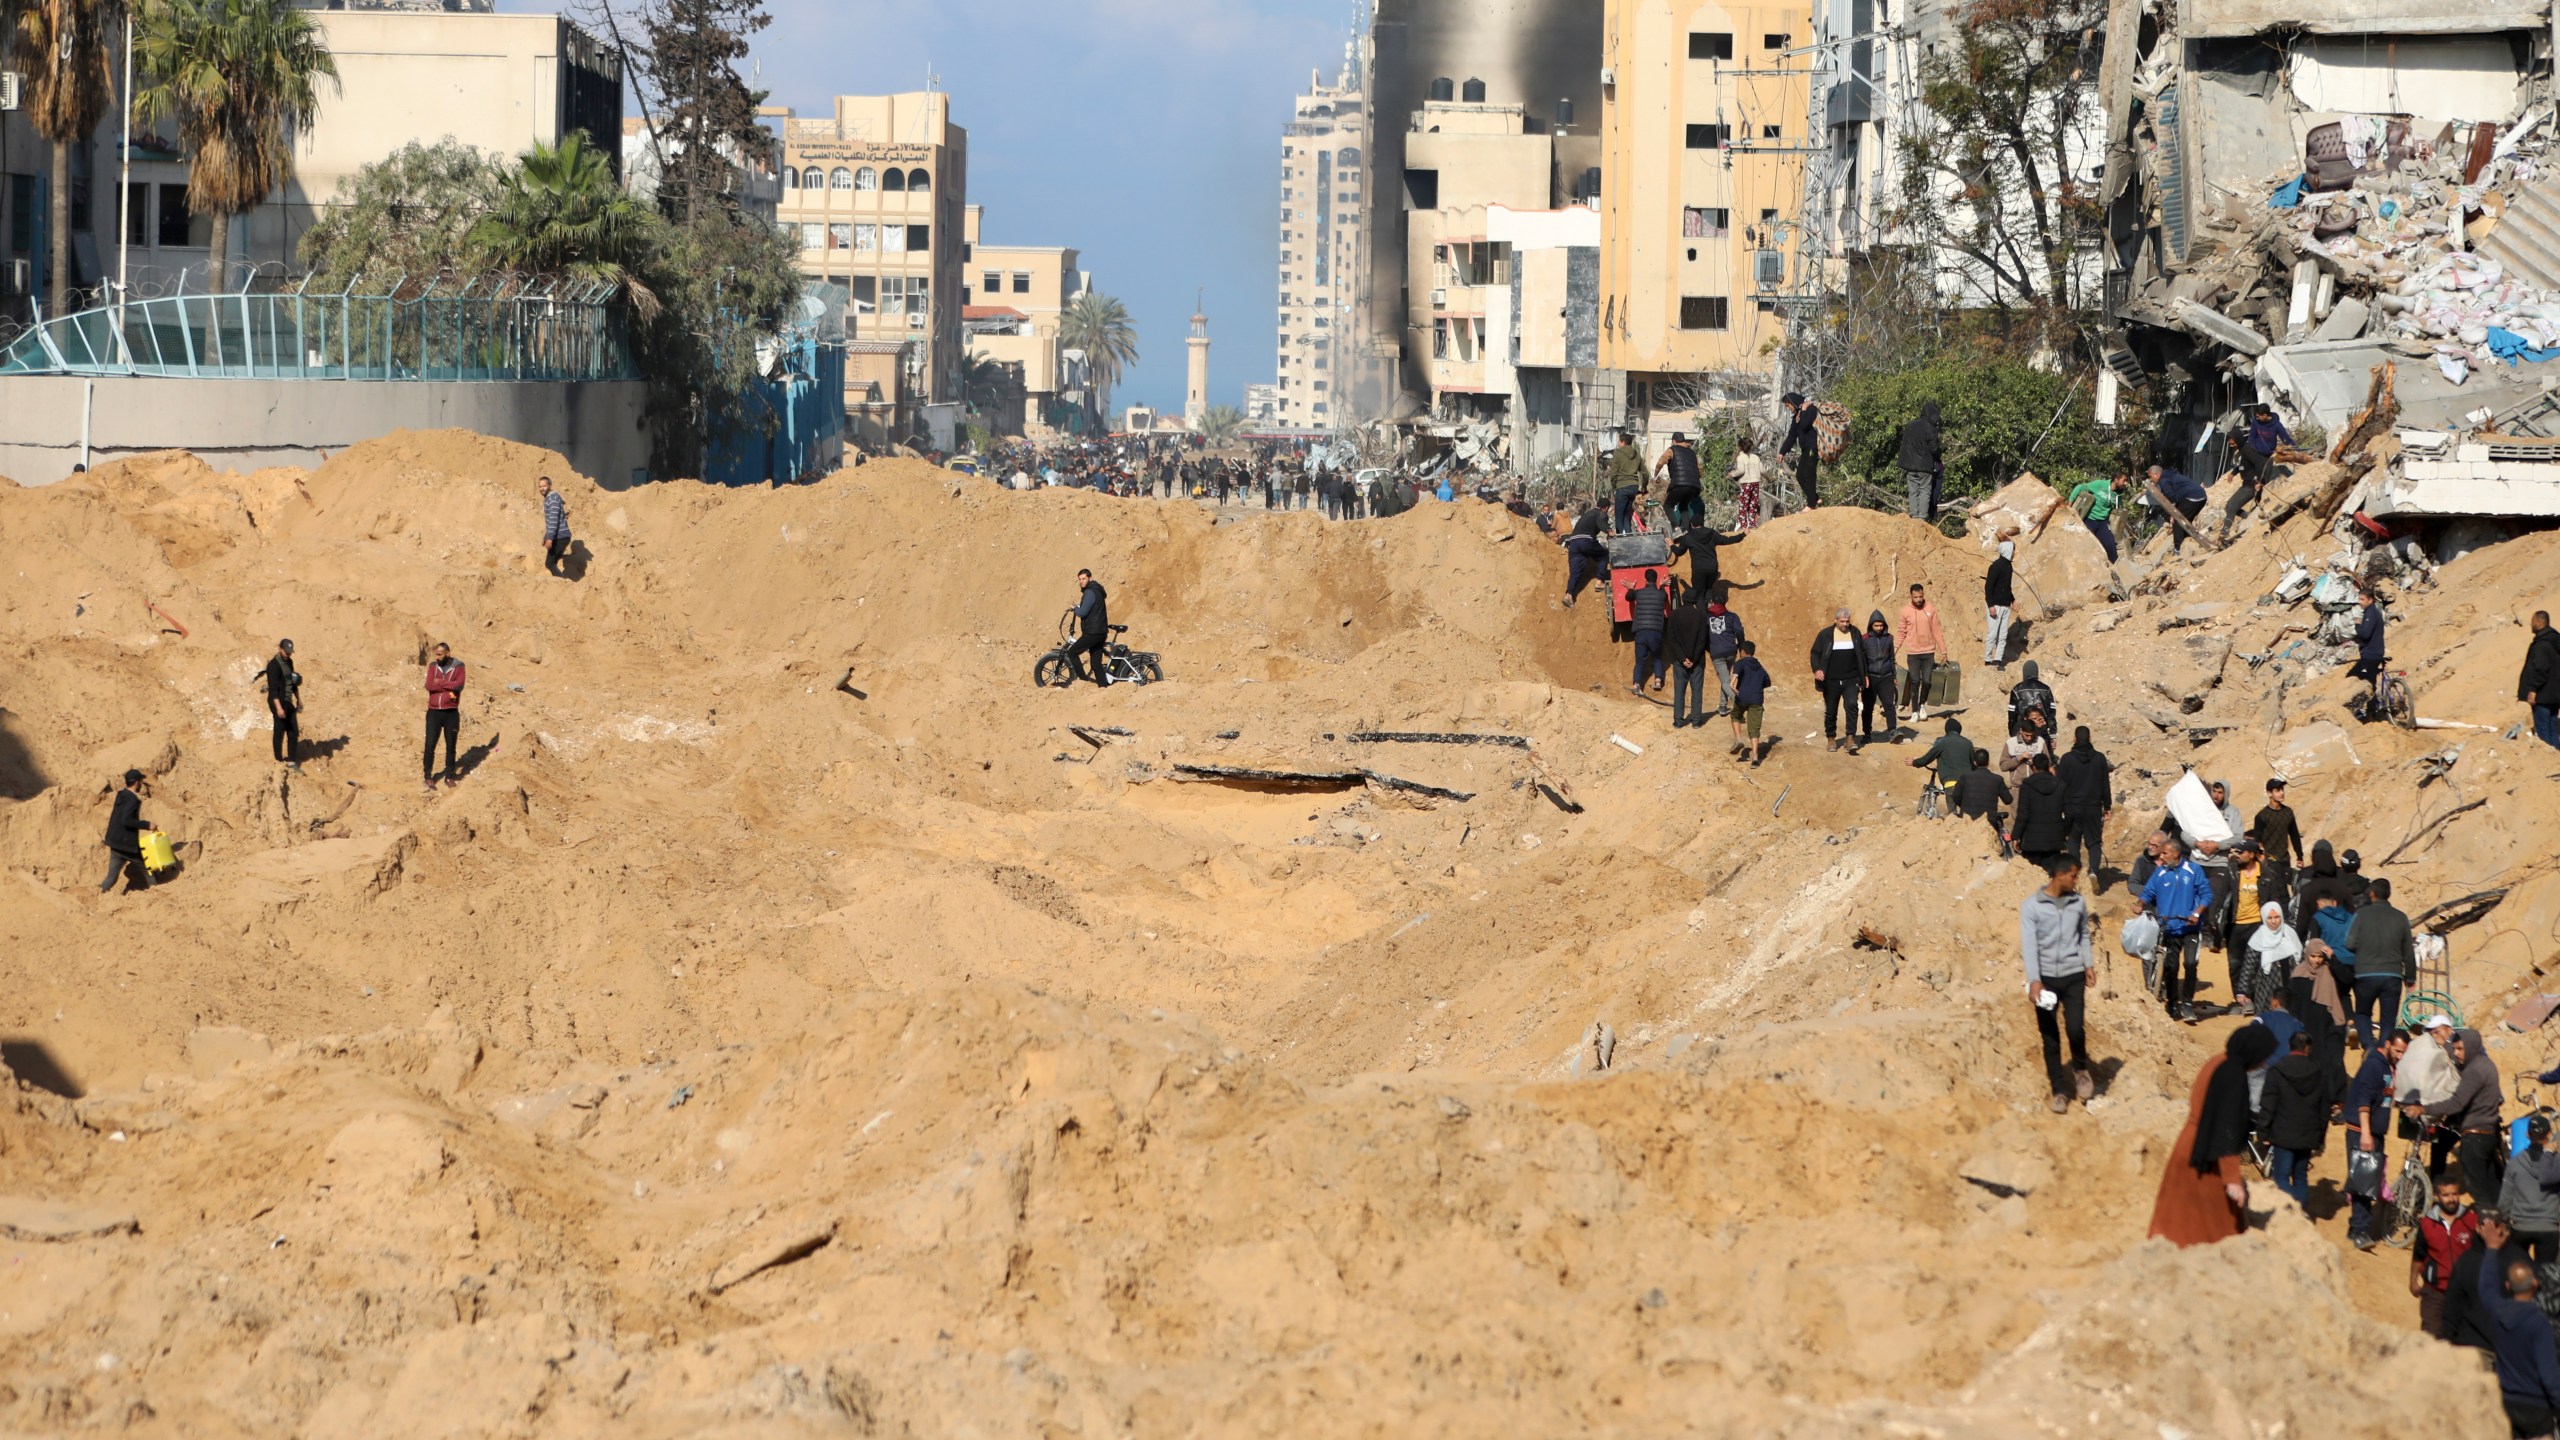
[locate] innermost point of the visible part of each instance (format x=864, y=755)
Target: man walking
x=1725, y=639
x=2300, y=1093
x=1750, y=694
x=2053, y=941
x=2178, y=894
x=1626, y=481
x=1804, y=442
x=2040, y=829
x=1700, y=543
x=2539, y=684
x=2088, y=801
x=1922, y=456
x=445, y=676
x=2445, y=1231
x=284, y=704
x=1921, y=638
x=1093, y=629
x=1647, y=610
x=1838, y=671
x=1683, y=501
x=555, y=529
x=1875, y=651
x=1999, y=597
x=1684, y=648
x=2371, y=632
x=2368, y=1121
x=124, y=837
x=2258, y=445
x=2279, y=837
x=2386, y=961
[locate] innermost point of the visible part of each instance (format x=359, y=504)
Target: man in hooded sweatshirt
x=1923, y=459
x=2295, y=1118
x=1724, y=644
x=2053, y=940
x=2039, y=828
x=1875, y=654
x=1684, y=650
x=1838, y=671
x=2088, y=798
x=1999, y=599
x=2475, y=1111
x=2031, y=693
x=2531, y=1196
x=1922, y=639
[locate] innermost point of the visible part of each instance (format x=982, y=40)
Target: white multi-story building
x=1324, y=247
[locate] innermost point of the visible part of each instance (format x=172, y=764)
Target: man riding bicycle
x=1093, y=630
x=1952, y=755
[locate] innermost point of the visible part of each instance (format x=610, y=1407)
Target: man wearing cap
x=124, y=836
x=284, y=703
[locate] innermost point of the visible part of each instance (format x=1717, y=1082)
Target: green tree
x=410, y=214
x=60, y=47
x=706, y=118
x=242, y=78
x=1999, y=416
x=1220, y=424
x=1099, y=326
x=559, y=211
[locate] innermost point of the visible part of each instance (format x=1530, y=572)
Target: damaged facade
x=2349, y=210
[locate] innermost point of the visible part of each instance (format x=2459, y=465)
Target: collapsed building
x=2348, y=210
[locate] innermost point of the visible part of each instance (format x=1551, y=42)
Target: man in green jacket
x=1626, y=481
x=2102, y=510
x=1953, y=755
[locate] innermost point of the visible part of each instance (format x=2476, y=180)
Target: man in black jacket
x=2300, y=1093
x=1839, y=671
x=2467, y=1320
x=2040, y=829
x=1093, y=629
x=2386, y=960
x=2031, y=693
x=2539, y=684
x=284, y=703
x=1647, y=611
x=2278, y=835
x=2088, y=799
x=1804, y=443
x=1700, y=543
x=124, y=836
x=1586, y=559
x=1684, y=649
x=1981, y=793
x=1999, y=606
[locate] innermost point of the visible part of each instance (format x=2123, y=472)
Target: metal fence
x=485, y=329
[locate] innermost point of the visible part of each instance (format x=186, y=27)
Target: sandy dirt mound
x=797, y=1023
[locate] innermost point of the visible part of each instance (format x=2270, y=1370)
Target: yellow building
x=877, y=196
x=1013, y=296
x=1703, y=128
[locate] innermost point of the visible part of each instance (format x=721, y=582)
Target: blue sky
x=1146, y=133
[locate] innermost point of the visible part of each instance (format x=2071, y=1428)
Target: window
x=1768, y=217
x=1702, y=312
x=1710, y=137
x=841, y=179
x=1348, y=159
x=137, y=214
x=1322, y=322
x=1769, y=132
x=866, y=293
x=1710, y=45
x=840, y=237
x=865, y=237
x=919, y=237
x=813, y=236
x=1422, y=189
x=22, y=212
x=1319, y=387
x=813, y=178
x=790, y=177
x=896, y=179
x=1774, y=42
x=1440, y=339
x=1319, y=407
x=866, y=178
x=893, y=294
x=991, y=283
x=1320, y=362
x=177, y=227
x=1021, y=282
x=1702, y=223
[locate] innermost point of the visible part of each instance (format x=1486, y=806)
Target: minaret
x=1195, y=395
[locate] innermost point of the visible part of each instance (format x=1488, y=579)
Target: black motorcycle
x=1057, y=669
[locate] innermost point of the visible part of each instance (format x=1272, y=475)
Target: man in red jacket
x=444, y=713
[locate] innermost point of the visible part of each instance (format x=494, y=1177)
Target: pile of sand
x=734, y=1052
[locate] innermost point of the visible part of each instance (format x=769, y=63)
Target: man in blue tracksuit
x=2179, y=894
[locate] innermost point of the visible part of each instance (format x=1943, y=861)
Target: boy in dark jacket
x=1724, y=643
x=124, y=836
x=1750, y=693
x=1875, y=651
x=1684, y=649
x=2295, y=1117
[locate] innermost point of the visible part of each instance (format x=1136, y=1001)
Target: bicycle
x=2393, y=700
x=1933, y=799
x=1120, y=664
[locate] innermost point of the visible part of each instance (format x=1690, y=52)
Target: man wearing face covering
x=2203, y=1195
x=2475, y=1111
x=1999, y=597
x=1923, y=460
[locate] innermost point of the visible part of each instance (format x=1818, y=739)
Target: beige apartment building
x=1704, y=138
x=1013, y=296
x=1324, y=255
x=498, y=83
x=876, y=193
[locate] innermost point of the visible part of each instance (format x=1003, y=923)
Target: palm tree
x=1220, y=424
x=241, y=77
x=560, y=212
x=1099, y=326
x=60, y=46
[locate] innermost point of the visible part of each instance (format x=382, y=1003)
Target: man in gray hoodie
x=2475, y=1111
x=2053, y=943
x=2531, y=1197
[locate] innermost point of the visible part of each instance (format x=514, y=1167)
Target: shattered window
x=1698, y=222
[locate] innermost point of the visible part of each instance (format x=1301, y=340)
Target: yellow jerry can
x=157, y=853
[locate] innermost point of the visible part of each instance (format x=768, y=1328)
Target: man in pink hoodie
x=444, y=712
x=1922, y=642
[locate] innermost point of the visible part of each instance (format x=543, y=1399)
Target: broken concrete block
x=2346, y=322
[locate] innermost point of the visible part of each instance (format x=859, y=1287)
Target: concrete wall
x=246, y=424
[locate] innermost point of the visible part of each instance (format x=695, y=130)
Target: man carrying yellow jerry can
x=134, y=849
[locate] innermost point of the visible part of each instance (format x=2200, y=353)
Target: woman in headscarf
x=2203, y=1195
x=1923, y=459
x=2273, y=950
x=2311, y=993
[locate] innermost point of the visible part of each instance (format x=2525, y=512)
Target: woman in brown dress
x=2203, y=1197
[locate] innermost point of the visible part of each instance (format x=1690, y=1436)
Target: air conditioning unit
x=8, y=89
x=1608, y=75
x=1439, y=299
x=1769, y=269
